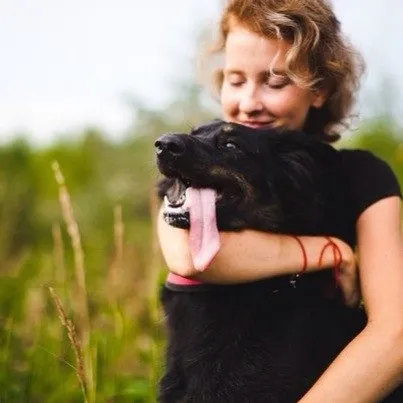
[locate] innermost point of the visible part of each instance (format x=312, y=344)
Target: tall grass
x=75, y=332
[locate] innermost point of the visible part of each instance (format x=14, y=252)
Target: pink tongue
x=203, y=236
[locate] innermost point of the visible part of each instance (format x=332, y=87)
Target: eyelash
x=278, y=86
x=235, y=84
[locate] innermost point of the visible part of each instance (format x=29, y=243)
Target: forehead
x=248, y=137
x=245, y=50
x=206, y=129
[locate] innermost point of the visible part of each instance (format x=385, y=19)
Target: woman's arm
x=371, y=366
x=252, y=255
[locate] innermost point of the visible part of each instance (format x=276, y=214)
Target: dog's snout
x=170, y=143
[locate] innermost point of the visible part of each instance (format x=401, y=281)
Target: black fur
x=264, y=341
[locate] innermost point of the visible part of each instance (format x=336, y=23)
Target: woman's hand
x=348, y=275
x=174, y=243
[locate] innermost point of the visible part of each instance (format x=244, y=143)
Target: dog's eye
x=229, y=145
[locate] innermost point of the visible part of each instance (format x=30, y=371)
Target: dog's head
x=264, y=179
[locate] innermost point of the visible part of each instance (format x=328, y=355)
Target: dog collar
x=175, y=282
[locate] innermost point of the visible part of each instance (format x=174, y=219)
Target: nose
x=173, y=144
x=250, y=102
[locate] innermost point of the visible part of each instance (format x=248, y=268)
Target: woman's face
x=253, y=97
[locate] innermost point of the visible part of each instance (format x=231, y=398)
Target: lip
x=258, y=125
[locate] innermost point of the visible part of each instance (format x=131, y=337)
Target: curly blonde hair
x=320, y=57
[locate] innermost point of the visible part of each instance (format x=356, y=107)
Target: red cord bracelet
x=337, y=258
x=294, y=277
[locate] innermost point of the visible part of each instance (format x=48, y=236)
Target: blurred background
x=85, y=88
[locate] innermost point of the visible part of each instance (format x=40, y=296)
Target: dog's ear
x=300, y=161
x=297, y=170
x=294, y=174
x=292, y=178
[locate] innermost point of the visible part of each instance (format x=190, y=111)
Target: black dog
x=266, y=341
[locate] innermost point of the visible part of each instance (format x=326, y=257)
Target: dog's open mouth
x=176, y=207
x=175, y=213
x=195, y=209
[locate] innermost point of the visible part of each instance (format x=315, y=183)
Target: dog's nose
x=170, y=143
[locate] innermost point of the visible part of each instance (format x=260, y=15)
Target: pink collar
x=179, y=280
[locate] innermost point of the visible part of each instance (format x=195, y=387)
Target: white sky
x=69, y=63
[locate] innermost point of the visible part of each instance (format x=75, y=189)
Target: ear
x=297, y=171
x=289, y=176
x=291, y=200
x=295, y=183
x=319, y=97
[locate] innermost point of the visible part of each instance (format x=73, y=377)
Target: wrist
x=312, y=253
x=295, y=258
x=347, y=254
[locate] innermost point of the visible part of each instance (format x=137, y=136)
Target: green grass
x=114, y=319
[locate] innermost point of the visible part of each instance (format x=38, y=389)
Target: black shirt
x=369, y=179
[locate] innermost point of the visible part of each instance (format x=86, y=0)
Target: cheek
x=228, y=100
x=288, y=104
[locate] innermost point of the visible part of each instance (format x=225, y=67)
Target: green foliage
x=384, y=138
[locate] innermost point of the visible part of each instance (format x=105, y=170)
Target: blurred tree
x=17, y=200
x=384, y=137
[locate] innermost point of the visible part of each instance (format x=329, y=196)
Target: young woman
x=286, y=64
